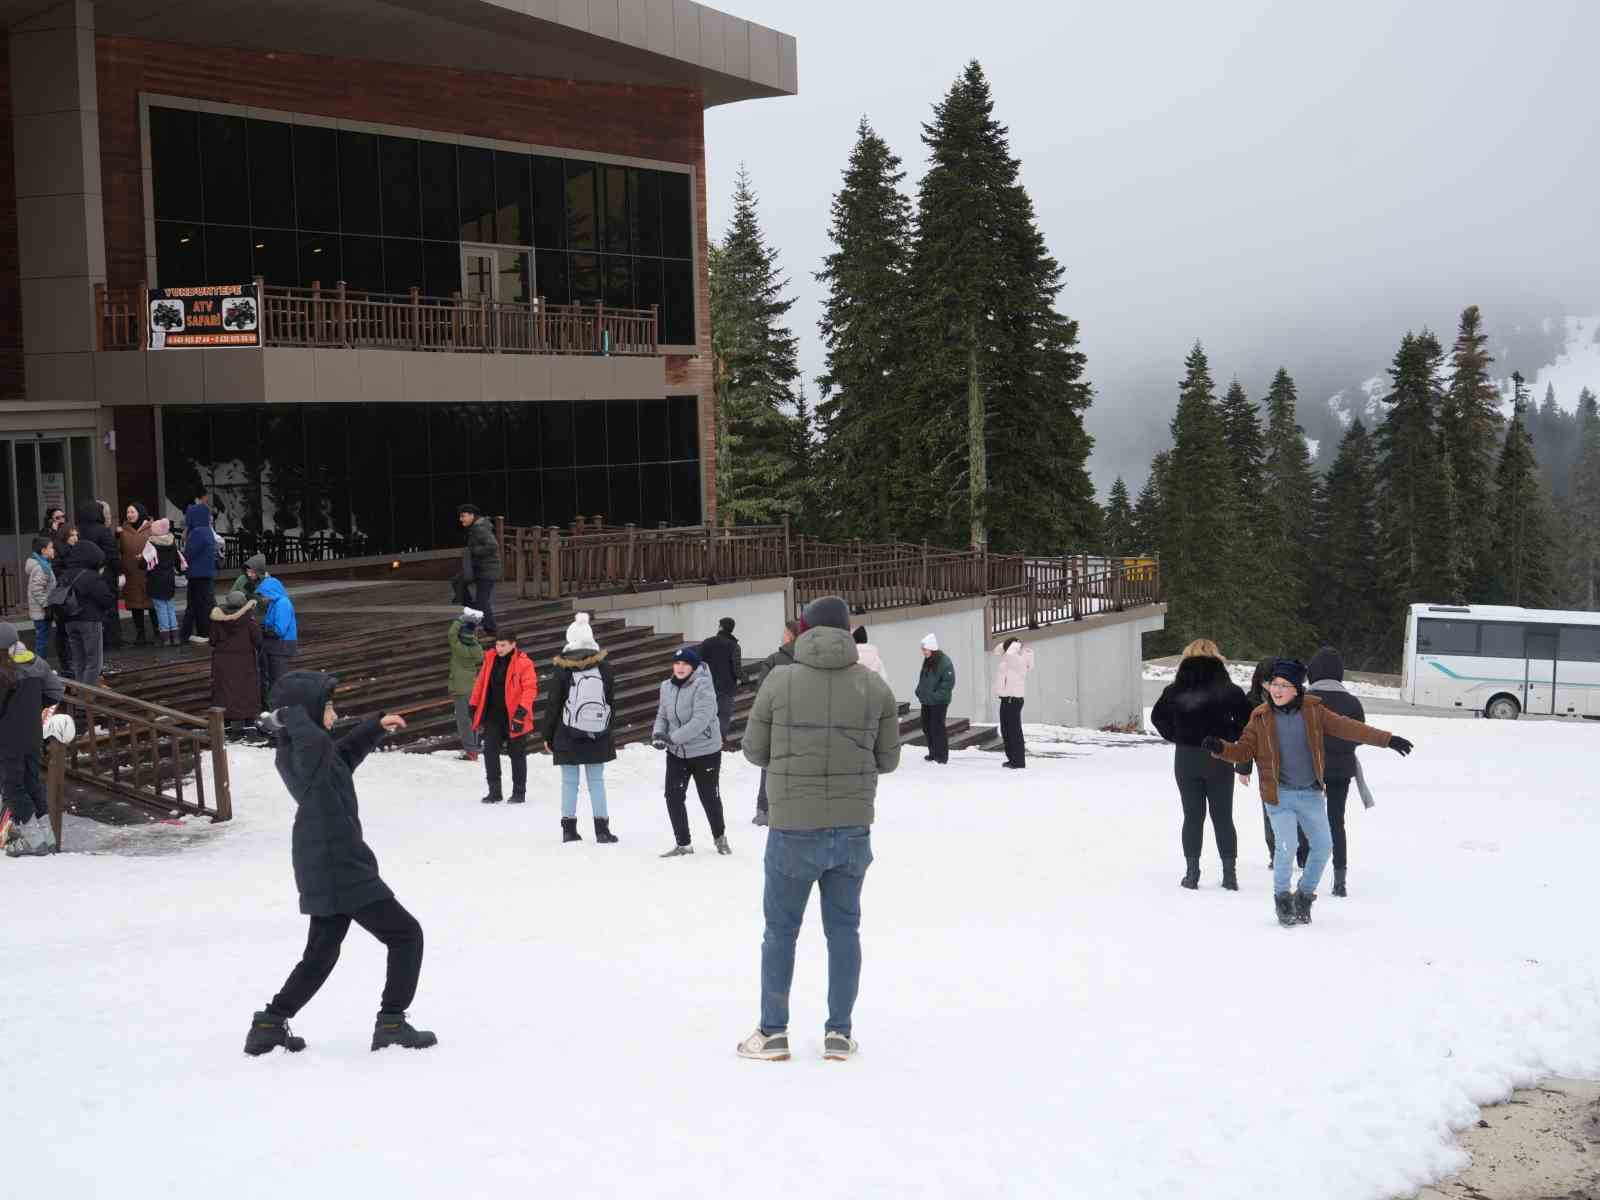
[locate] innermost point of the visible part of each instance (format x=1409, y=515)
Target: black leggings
x=1205, y=783
x=706, y=771
x=385, y=920
x=197, y=610
x=1011, y=730
x=1338, y=791
x=934, y=730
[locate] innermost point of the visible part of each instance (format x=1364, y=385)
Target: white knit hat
x=930, y=642
x=579, y=635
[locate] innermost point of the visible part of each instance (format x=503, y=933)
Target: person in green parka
x=466, y=659
x=936, y=687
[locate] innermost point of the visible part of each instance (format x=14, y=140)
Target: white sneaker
x=30, y=839
x=197, y=640
x=837, y=1047
x=773, y=1047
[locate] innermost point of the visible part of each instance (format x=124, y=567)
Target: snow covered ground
x=1241, y=673
x=1043, y=1011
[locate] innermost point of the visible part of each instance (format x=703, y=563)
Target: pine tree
x=804, y=485
x=756, y=370
x=866, y=412
x=1118, y=526
x=1346, y=607
x=1584, y=514
x=1000, y=387
x=1521, y=571
x=1289, y=501
x=1241, y=429
x=1555, y=443
x=1470, y=423
x=1148, y=518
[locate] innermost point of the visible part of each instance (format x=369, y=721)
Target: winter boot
x=602, y=830
x=1302, y=907
x=493, y=797
x=1230, y=876
x=518, y=798
x=1191, y=877
x=1338, y=882
x=678, y=852
x=34, y=838
x=268, y=1031
x=1285, y=905
x=760, y=818
x=393, y=1029
x=569, y=829
x=722, y=845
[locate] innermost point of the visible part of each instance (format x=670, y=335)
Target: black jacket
x=783, y=656
x=27, y=687
x=161, y=580
x=480, y=561
x=1338, y=754
x=92, y=528
x=1202, y=701
x=82, y=570
x=720, y=652
x=568, y=746
x=334, y=869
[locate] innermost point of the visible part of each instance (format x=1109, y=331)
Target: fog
x=1288, y=185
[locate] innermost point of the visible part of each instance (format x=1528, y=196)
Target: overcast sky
x=1285, y=182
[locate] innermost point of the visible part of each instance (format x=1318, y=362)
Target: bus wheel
x=1503, y=708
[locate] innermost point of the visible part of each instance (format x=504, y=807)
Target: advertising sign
x=222, y=314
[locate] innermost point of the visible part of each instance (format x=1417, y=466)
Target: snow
x=1575, y=368
x=1043, y=1011
x=1241, y=673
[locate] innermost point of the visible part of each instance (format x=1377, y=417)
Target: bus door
x=1541, y=686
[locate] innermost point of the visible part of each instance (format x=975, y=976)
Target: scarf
x=1334, y=685
x=44, y=563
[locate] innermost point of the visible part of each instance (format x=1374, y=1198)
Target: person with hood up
x=1200, y=701
x=132, y=538
x=577, y=727
x=85, y=601
x=936, y=687
x=1287, y=738
x=280, y=630
x=824, y=728
x=781, y=657
x=723, y=657
x=870, y=656
x=466, y=658
x=687, y=729
x=481, y=565
x=200, y=552
x=1325, y=678
x=161, y=563
x=334, y=870
x=235, y=655
x=40, y=572
x=249, y=580
x=1010, y=685
x=94, y=527
x=502, y=714
x=29, y=692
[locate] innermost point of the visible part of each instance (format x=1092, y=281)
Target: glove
x=1212, y=745
x=1401, y=746
x=659, y=742
x=269, y=723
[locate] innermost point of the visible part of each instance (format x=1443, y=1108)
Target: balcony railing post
x=655, y=328
x=555, y=563
x=55, y=786
x=600, y=328
x=343, y=310
x=261, y=310
x=788, y=565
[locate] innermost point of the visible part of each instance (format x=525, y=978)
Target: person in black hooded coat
x=92, y=528
x=1202, y=701
x=334, y=869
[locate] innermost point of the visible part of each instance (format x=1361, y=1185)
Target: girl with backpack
x=577, y=727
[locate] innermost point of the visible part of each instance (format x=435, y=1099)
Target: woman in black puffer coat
x=1202, y=701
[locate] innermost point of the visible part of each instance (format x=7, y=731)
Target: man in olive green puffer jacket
x=466, y=659
x=824, y=729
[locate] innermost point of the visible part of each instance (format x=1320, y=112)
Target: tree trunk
x=977, y=453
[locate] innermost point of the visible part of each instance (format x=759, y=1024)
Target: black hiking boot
x=1302, y=907
x=1230, y=876
x=1338, y=882
x=569, y=829
x=492, y=798
x=268, y=1031
x=1285, y=905
x=602, y=830
x=393, y=1029
x=518, y=798
x=1191, y=877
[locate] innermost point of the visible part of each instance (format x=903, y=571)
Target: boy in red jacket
x=502, y=713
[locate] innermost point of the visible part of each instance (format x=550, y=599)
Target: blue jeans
x=595, y=773
x=836, y=860
x=41, y=639
x=166, y=614
x=1309, y=810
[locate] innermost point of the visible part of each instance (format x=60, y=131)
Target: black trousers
x=497, y=741
x=63, y=645
x=385, y=920
x=202, y=595
x=112, y=624
x=1011, y=730
x=725, y=711
x=21, y=785
x=275, y=661
x=138, y=621
x=706, y=772
x=933, y=730
x=1338, y=791
x=1205, y=784
x=482, y=591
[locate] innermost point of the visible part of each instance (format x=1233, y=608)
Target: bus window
x=1580, y=645
x=1447, y=637
x=1501, y=640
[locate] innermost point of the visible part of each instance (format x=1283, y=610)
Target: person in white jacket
x=868, y=655
x=1010, y=683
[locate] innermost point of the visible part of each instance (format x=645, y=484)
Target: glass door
x=501, y=273
x=1541, y=672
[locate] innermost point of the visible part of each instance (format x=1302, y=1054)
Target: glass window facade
x=301, y=204
x=379, y=478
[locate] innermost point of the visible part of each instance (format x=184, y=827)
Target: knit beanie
x=256, y=563
x=579, y=635
x=826, y=612
x=234, y=601
x=1291, y=669
x=686, y=654
x=160, y=528
x=930, y=642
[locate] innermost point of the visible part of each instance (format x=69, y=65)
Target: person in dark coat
x=94, y=528
x=132, y=538
x=577, y=727
x=936, y=687
x=1257, y=696
x=235, y=652
x=1200, y=702
x=1325, y=680
x=160, y=563
x=480, y=564
x=81, y=572
x=335, y=871
x=783, y=656
x=723, y=658
x=57, y=530
x=29, y=691
x=200, y=550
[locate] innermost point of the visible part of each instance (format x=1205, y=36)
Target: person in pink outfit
x=1010, y=684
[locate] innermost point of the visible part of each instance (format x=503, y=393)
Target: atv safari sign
x=225, y=314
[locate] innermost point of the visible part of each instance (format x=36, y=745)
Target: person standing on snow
x=334, y=870
x=94, y=528
x=200, y=552
x=29, y=693
x=577, y=727
x=1256, y=694
x=1010, y=686
x=1325, y=677
x=1201, y=701
x=723, y=657
x=686, y=728
x=781, y=657
x=466, y=659
x=502, y=713
x=40, y=573
x=936, y=687
x=161, y=563
x=80, y=575
x=481, y=565
x=235, y=662
x=1287, y=738
x=824, y=728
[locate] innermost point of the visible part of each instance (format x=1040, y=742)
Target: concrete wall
x=1087, y=674
x=759, y=610
x=959, y=626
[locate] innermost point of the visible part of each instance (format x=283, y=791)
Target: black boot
x=1230, y=877
x=493, y=797
x=1338, y=882
x=393, y=1029
x=569, y=829
x=268, y=1031
x=1191, y=877
x=602, y=830
x=1302, y=907
x=1285, y=905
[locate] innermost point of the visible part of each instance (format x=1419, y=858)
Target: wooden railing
x=1074, y=588
x=589, y=560
x=336, y=317
x=146, y=752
